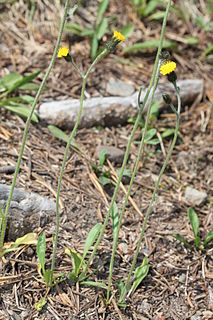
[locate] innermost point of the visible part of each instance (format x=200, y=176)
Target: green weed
x=198, y=243
x=20, y=104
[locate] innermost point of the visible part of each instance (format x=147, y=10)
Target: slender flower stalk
x=73, y=133
x=141, y=149
x=129, y=143
x=155, y=192
x=5, y=214
x=140, y=152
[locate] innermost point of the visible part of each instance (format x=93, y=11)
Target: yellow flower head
x=118, y=36
x=167, y=67
x=63, y=52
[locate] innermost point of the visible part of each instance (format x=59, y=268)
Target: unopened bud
x=172, y=77
x=167, y=99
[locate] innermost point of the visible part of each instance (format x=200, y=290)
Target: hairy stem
x=73, y=133
x=129, y=142
x=141, y=149
x=4, y=221
x=154, y=194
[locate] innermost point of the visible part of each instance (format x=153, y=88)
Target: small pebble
x=194, y=196
x=116, y=87
x=113, y=154
x=182, y=278
x=207, y=314
x=123, y=247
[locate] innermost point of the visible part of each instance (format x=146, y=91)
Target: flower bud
x=167, y=99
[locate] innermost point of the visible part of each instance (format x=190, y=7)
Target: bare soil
x=179, y=283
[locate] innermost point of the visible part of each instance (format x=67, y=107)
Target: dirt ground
x=179, y=283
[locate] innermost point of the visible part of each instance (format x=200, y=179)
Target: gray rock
x=123, y=247
x=27, y=212
x=194, y=196
x=182, y=278
x=113, y=154
x=116, y=87
x=111, y=111
x=208, y=314
x=195, y=317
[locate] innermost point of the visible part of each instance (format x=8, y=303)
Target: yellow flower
x=63, y=52
x=167, y=67
x=118, y=36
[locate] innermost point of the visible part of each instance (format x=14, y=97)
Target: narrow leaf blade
x=209, y=237
x=140, y=273
x=102, y=8
x=102, y=28
x=115, y=219
x=41, y=250
x=92, y=236
x=95, y=284
x=194, y=221
x=180, y=238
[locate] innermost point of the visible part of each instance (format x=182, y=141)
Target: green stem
x=4, y=223
x=77, y=68
x=129, y=142
x=73, y=133
x=154, y=194
x=141, y=149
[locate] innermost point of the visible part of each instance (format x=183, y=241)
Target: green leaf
x=155, y=108
x=209, y=238
x=115, y=219
x=126, y=173
x=27, y=239
x=102, y=8
x=127, y=30
x=194, y=221
x=140, y=273
x=23, y=81
x=180, y=238
x=74, y=28
x=158, y=15
x=10, y=80
x=41, y=250
x=27, y=98
x=58, y=133
x=121, y=287
x=151, y=5
x=92, y=236
x=167, y=133
x=72, y=277
x=88, y=32
x=102, y=157
x=192, y=40
x=104, y=180
x=150, y=44
x=29, y=86
x=47, y=277
x=21, y=110
x=153, y=142
x=94, y=46
x=40, y=304
x=76, y=261
x=149, y=134
x=95, y=284
x=102, y=28
x=197, y=242
x=207, y=51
